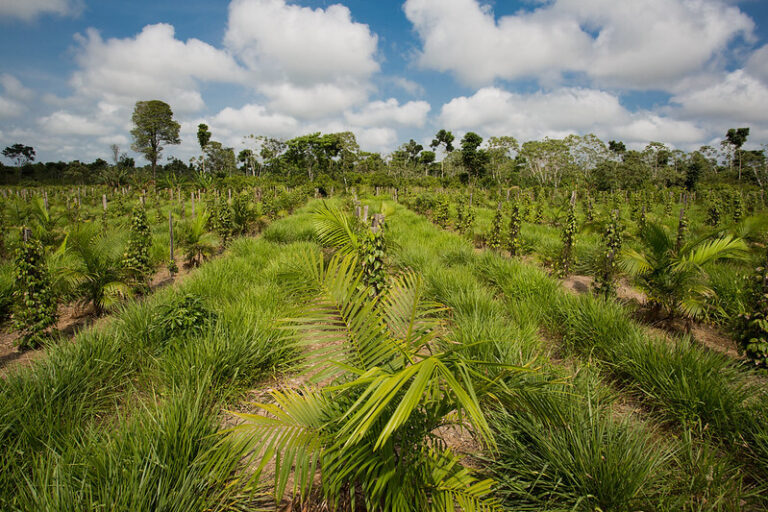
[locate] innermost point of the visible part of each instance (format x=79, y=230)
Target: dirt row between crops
x=706, y=335
x=72, y=318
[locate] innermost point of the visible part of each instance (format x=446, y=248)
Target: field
x=499, y=350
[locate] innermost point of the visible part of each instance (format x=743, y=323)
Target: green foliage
x=737, y=208
x=605, y=280
x=495, y=237
x=441, y=211
x=153, y=126
x=467, y=221
x=96, y=275
x=371, y=430
x=224, y=223
x=674, y=279
x=569, y=232
x=195, y=239
x=186, y=314
x=513, y=242
x=372, y=250
x=751, y=326
x=563, y=450
x=136, y=260
x=714, y=212
x=34, y=299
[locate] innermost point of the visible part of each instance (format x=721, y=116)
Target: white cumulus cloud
x=151, y=65
x=27, y=10
x=494, y=111
x=639, y=44
x=390, y=112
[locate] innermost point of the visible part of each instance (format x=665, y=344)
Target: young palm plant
x=388, y=385
x=673, y=278
x=196, y=241
x=95, y=272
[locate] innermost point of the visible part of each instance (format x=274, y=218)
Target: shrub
x=136, y=260
x=34, y=299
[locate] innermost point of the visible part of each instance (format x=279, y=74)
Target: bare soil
x=71, y=319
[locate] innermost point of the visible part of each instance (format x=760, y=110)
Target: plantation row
x=689, y=260
x=411, y=372
x=61, y=246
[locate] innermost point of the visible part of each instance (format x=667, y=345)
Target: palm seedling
x=673, y=278
x=196, y=241
x=370, y=431
x=95, y=273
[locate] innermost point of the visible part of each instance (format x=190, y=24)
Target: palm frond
x=634, y=262
x=290, y=432
x=334, y=229
x=727, y=247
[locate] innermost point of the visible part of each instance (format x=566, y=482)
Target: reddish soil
x=71, y=320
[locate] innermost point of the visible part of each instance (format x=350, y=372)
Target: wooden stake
x=170, y=232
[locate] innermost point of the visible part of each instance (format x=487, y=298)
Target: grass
x=697, y=398
x=158, y=392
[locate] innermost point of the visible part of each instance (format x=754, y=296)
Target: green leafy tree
x=605, y=280
x=569, y=232
x=373, y=249
x=474, y=159
x=674, y=279
x=495, y=237
x=153, y=126
x=203, y=138
x=736, y=138
x=443, y=139
x=225, y=225
x=20, y=154
x=34, y=297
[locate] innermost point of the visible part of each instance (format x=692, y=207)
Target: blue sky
x=677, y=71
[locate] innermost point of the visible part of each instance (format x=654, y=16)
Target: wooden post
x=45, y=199
x=365, y=213
x=170, y=233
x=376, y=222
x=357, y=211
x=229, y=195
x=104, y=202
x=143, y=202
x=25, y=234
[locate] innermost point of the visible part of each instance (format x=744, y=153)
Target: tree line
x=572, y=161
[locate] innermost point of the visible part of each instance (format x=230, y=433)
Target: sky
x=676, y=71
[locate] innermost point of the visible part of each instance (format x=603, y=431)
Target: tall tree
x=443, y=139
x=20, y=154
x=736, y=137
x=499, y=154
x=203, y=138
x=153, y=125
x=474, y=159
